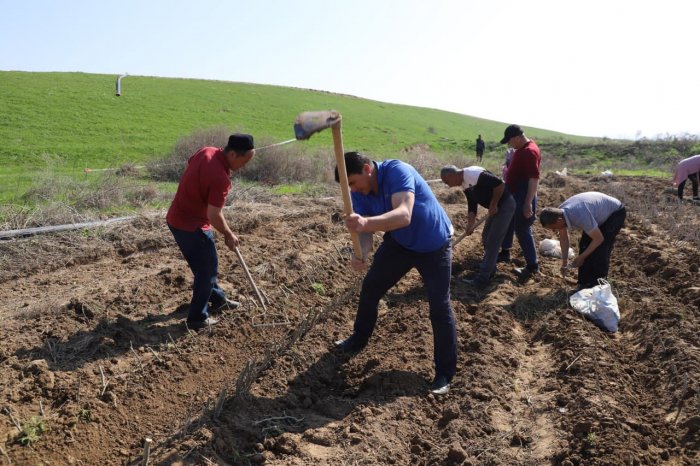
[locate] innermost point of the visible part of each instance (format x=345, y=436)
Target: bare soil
x=95, y=357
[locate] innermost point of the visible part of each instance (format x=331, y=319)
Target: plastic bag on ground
x=598, y=304
x=552, y=248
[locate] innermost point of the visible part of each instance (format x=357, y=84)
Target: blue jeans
x=199, y=250
x=522, y=228
x=391, y=262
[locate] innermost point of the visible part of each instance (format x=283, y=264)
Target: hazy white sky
x=617, y=68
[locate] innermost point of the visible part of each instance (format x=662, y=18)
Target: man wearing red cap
x=198, y=205
x=522, y=178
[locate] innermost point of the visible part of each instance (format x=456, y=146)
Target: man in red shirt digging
x=197, y=208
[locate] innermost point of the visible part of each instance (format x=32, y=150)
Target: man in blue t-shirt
x=392, y=197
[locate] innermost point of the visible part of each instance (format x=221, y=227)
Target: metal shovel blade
x=307, y=124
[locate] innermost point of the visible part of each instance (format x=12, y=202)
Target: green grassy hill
x=54, y=125
x=74, y=120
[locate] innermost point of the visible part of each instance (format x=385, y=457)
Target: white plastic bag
x=598, y=304
x=552, y=248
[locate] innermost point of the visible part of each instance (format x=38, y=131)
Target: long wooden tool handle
x=464, y=235
x=250, y=278
x=344, y=187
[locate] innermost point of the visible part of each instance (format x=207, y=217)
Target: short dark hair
x=550, y=215
x=354, y=161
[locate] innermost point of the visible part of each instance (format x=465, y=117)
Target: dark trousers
x=693, y=177
x=199, y=250
x=521, y=227
x=391, y=262
x=495, y=229
x=597, y=264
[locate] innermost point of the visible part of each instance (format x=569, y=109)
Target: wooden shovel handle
x=464, y=235
x=250, y=279
x=344, y=187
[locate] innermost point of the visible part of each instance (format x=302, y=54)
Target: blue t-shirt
x=430, y=227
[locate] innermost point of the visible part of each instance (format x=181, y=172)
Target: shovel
x=306, y=124
x=250, y=279
x=309, y=123
x=464, y=235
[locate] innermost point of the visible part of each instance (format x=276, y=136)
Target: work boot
x=351, y=344
x=504, y=256
x=525, y=273
x=199, y=324
x=440, y=386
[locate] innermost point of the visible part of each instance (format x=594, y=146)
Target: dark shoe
x=351, y=344
x=525, y=272
x=476, y=282
x=504, y=256
x=227, y=304
x=440, y=385
x=199, y=324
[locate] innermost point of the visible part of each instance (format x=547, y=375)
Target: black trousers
x=693, y=177
x=597, y=264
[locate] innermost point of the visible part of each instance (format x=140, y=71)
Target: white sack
x=598, y=304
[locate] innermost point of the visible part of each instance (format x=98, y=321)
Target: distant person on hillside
x=522, y=179
x=483, y=188
x=392, y=197
x=687, y=169
x=197, y=207
x=600, y=217
x=480, y=146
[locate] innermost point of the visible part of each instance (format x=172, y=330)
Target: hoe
x=306, y=125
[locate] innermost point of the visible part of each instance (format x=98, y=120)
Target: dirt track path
x=536, y=383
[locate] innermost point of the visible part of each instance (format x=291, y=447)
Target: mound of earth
x=95, y=358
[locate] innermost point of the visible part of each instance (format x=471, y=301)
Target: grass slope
x=74, y=120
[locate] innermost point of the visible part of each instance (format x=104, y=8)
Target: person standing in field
x=392, y=197
x=601, y=218
x=481, y=187
x=196, y=208
x=480, y=146
x=687, y=169
x=522, y=179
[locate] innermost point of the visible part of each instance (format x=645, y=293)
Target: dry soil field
x=94, y=357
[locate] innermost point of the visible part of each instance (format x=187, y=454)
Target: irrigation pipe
x=57, y=228
x=9, y=234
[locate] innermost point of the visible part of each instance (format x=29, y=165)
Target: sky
x=607, y=68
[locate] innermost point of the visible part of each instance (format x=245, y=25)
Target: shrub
x=287, y=164
x=170, y=167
